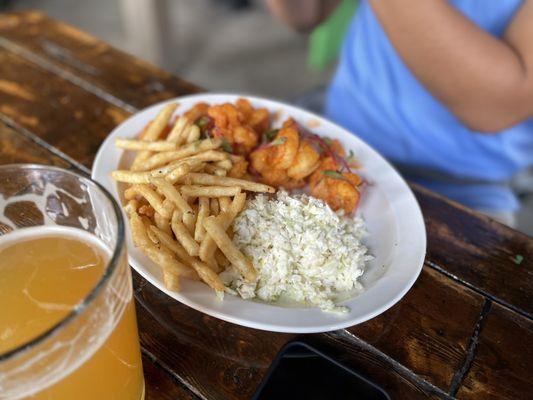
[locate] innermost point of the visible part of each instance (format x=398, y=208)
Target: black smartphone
x=302, y=372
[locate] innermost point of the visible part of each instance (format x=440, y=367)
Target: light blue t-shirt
x=375, y=96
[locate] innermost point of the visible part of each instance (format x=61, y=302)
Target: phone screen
x=303, y=373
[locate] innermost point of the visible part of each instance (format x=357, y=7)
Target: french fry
x=138, y=231
x=193, y=134
x=224, y=164
x=162, y=223
x=195, y=166
x=131, y=206
x=143, y=131
x=214, y=170
x=187, y=150
x=171, y=172
x=209, y=156
x=180, y=201
x=203, y=212
x=208, y=246
x=214, y=206
x=153, y=132
x=237, y=205
x=209, y=191
x=131, y=176
x=170, y=192
x=175, y=134
x=159, y=123
x=224, y=203
x=189, y=220
x=179, y=172
x=206, y=179
x=150, y=195
x=152, y=236
x=171, y=279
x=208, y=275
x=137, y=145
x=204, y=271
x=158, y=255
x=221, y=259
x=183, y=235
x=224, y=243
x=169, y=206
x=166, y=260
x=169, y=242
x=163, y=171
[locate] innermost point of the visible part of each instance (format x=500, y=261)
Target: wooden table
x=464, y=330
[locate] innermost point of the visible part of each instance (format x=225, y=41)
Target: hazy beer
x=44, y=275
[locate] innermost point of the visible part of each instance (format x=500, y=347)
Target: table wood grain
x=438, y=346
x=464, y=330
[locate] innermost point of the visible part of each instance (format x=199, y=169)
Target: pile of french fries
x=181, y=204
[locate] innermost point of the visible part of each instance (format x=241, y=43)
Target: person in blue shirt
x=443, y=89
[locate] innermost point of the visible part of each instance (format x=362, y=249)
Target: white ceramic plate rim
x=387, y=291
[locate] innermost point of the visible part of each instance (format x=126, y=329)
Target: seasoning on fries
x=176, y=184
x=224, y=243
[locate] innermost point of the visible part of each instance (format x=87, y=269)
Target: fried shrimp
x=338, y=189
x=198, y=111
x=279, y=154
x=338, y=193
x=306, y=161
x=278, y=178
x=257, y=118
x=229, y=123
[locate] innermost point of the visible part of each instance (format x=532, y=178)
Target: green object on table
x=326, y=40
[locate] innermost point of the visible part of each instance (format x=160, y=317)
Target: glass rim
x=110, y=268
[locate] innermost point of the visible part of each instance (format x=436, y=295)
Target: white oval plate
x=396, y=232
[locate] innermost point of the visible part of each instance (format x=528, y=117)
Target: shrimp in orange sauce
x=230, y=124
x=291, y=158
x=286, y=160
x=339, y=189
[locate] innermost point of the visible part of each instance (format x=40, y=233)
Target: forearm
x=482, y=79
x=302, y=15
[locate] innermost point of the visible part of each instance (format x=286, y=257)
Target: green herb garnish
x=518, y=259
x=334, y=174
x=278, y=141
x=271, y=134
x=202, y=122
x=328, y=141
x=226, y=146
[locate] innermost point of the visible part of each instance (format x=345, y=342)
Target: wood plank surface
x=419, y=331
x=503, y=363
x=221, y=360
x=130, y=79
x=225, y=361
x=160, y=385
x=394, y=378
x=479, y=251
x=16, y=148
x=59, y=112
